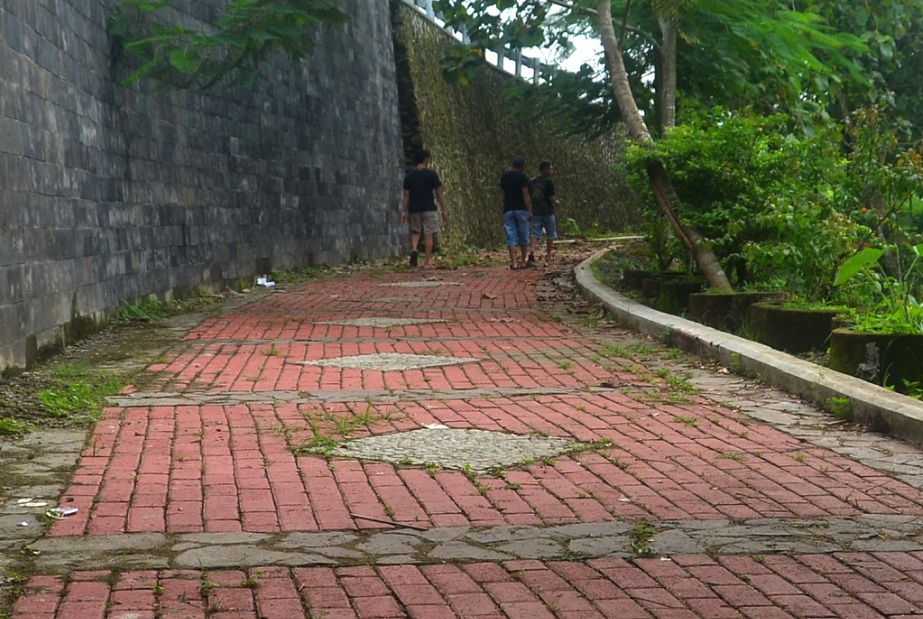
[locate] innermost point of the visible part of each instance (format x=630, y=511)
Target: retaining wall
x=110, y=193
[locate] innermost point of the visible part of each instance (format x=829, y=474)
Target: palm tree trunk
x=664, y=192
x=668, y=75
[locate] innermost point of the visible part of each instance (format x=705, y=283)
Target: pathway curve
x=440, y=444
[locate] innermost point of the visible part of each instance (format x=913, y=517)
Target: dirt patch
x=119, y=351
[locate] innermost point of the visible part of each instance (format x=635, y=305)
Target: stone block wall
x=110, y=194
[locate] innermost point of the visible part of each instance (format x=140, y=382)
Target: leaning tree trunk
x=694, y=243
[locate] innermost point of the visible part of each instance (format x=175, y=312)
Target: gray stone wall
x=109, y=194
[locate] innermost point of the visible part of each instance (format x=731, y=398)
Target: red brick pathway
x=659, y=455
x=847, y=585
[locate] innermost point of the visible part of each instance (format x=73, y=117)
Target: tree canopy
x=732, y=53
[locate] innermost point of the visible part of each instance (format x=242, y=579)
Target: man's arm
x=527, y=198
x=527, y=195
x=440, y=198
x=406, y=206
x=550, y=195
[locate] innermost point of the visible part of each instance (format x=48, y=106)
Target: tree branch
x=625, y=14
x=568, y=5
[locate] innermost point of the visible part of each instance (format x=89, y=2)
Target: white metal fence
x=509, y=60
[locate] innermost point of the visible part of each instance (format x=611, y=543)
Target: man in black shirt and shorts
x=421, y=185
x=517, y=211
x=543, y=202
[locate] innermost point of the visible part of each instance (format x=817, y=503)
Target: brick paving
x=652, y=451
x=847, y=585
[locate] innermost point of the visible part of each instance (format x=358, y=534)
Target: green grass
x=589, y=321
x=614, y=350
x=598, y=444
x=150, y=309
x=840, y=407
x=80, y=394
x=641, y=536
x=329, y=430
x=13, y=427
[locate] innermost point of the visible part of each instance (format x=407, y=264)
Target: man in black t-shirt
x=517, y=211
x=543, y=203
x=422, y=189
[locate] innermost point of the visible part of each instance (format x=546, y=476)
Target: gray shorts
x=426, y=222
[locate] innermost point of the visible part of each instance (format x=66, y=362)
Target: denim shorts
x=516, y=224
x=546, y=223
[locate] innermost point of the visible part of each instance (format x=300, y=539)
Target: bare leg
x=512, y=249
x=524, y=250
x=548, y=247
x=427, y=249
x=414, y=241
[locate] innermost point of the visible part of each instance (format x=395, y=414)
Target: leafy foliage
x=576, y=103
x=885, y=175
x=892, y=32
x=245, y=34
x=769, y=56
x=732, y=53
x=764, y=194
x=894, y=302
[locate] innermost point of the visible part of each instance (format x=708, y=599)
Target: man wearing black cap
x=517, y=211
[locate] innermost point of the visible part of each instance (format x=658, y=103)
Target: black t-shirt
x=541, y=188
x=513, y=182
x=421, y=183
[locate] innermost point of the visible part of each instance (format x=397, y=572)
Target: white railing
x=510, y=60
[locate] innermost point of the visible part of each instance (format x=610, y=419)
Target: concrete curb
x=879, y=409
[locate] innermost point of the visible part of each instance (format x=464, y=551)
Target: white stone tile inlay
x=380, y=322
x=480, y=450
x=390, y=361
x=423, y=284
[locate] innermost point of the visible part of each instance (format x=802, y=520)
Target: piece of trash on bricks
x=435, y=426
x=264, y=282
x=23, y=524
x=31, y=502
x=488, y=295
x=58, y=513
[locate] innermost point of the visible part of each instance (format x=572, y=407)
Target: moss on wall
x=472, y=140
